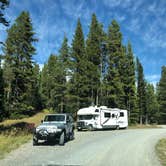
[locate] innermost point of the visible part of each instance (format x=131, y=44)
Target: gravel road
x=131, y=147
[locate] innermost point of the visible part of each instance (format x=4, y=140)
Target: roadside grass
x=138, y=126
x=14, y=133
x=36, y=119
x=9, y=143
x=161, y=151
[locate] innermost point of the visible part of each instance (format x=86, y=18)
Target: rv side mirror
x=41, y=121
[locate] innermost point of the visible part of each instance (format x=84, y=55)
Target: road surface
x=131, y=147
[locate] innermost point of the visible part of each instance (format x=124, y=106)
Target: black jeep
x=53, y=127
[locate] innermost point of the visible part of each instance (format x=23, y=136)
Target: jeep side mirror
x=67, y=121
x=41, y=121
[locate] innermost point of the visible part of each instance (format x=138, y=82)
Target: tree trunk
x=146, y=119
x=140, y=119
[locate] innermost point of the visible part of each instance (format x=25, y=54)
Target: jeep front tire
x=62, y=139
x=35, y=141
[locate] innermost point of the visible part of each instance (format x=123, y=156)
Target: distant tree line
x=100, y=70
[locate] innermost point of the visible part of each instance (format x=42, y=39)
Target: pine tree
x=151, y=104
x=80, y=81
x=66, y=63
x=115, y=92
x=35, y=95
x=44, y=87
x=128, y=78
x=162, y=96
x=18, y=57
x=1, y=94
x=52, y=83
x=64, y=54
x=141, y=92
x=3, y=5
x=94, y=54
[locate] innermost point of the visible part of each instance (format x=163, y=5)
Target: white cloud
x=153, y=79
x=154, y=36
x=120, y=18
x=134, y=25
x=117, y=3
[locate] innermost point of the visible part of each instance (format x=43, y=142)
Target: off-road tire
x=71, y=135
x=35, y=142
x=79, y=130
x=62, y=139
x=90, y=128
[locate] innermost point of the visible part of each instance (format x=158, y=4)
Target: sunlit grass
x=12, y=139
x=9, y=143
x=161, y=151
x=36, y=119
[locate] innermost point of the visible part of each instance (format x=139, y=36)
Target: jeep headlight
x=37, y=129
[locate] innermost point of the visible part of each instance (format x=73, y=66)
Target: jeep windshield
x=54, y=118
x=85, y=117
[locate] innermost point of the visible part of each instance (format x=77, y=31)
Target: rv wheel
x=90, y=128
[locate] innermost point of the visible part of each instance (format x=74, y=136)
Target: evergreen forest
x=97, y=69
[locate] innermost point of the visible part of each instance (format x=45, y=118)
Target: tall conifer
x=94, y=55
x=129, y=79
x=115, y=91
x=141, y=93
x=80, y=80
x=162, y=95
x=18, y=57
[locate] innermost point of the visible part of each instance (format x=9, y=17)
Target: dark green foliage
x=64, y=54
x=95, y=58
x=80, y=80
x=128, y=78
x=162, y=96
x=35, y=95
x=52, y=84
x=3, y=5
x=66, y=102
x=102, y=72
x=151, y=105
x=114, y=84
x=18, y=58
x=141, y=92
x=2, y=111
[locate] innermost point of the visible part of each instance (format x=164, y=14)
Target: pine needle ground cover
x=14, y=133
x=161, y=151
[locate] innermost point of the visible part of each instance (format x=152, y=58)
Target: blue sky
x=143, y=22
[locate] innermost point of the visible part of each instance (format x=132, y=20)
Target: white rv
x=101, y=117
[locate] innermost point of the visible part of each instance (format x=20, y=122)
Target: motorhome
x=94, y=117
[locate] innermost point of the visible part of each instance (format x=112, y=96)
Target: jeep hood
x=51, y=124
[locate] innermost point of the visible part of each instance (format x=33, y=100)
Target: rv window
x=96, y=110
x=121, y=114
x=107, y=115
